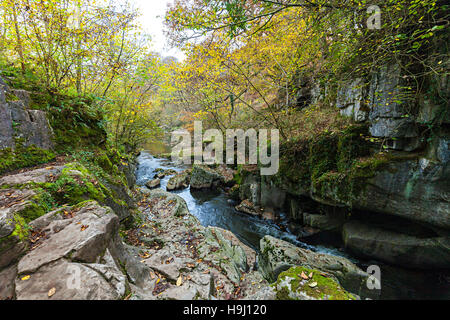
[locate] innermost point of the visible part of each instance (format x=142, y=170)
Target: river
x=216, y=209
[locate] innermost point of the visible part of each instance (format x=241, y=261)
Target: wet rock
x=278, y=256
x=249, y=208
x=396, y=248
x=203, y=177
x=179, y=181
x=271, y=195
x=251, y=184
x=153, y=184
x=269, y=214
x=170, y=172
x=323, y=222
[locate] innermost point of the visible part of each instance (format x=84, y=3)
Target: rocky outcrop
x=278, y=256
x=413, y=189
x=69, y=257
x=398, y=249
x=205, y=177
x=179, y=181
x=189, y=260
x=20, y=125
x=155, y=183
x=350, y=100
x=299, y=283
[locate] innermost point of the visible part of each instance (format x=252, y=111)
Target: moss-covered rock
x=301, y=283
x=23, y=157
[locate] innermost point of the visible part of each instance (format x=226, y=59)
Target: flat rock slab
x=69, y=281
x=35, y=176
x=82, y=238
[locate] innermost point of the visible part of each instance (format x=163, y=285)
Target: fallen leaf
x=180, y=281
x=152, y=275
x=311, y=275
x=304, y=276
x=51, y=292
x=26, y=278
x=313, y=285
x=83, y=228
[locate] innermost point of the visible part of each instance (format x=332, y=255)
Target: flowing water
x=217, y=210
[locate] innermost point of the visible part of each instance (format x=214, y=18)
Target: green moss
x=75, y=185
x=21, y=233
x=23, y=157
x=290, y=286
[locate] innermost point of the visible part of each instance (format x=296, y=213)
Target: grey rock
x=7, y=279
x=6, y=127
x=395, y=248
x=17, y=122
x=271, y=195
x=277, y=256
x=249, y=208
x=203, y=177
x=100, y=223
x=388, y=116
x=350, y=100
x=64, y=277
x=153, y=184
x=179, y=181
x=34, y=176
x=323, y=222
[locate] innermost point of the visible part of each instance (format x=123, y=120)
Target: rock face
x=350, y=100
x=278, y=256
x=397, y=249
x=416, y=190
x=17, y=123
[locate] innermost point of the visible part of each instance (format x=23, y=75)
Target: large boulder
x=205, y=177
x=76, y=254
x=82, y=238
x=179, y=181
x=277, y=256
x=415, y=189
x=299, y=283
x=155, y=183
x=395, y=248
